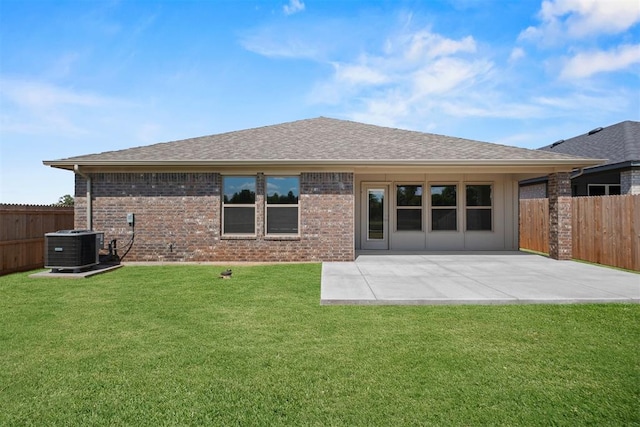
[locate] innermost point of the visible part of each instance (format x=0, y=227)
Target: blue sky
x=83, y=77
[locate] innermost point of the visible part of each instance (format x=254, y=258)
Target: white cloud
x=294, y=6
x=414, y=77
x=585, y=64
x=423, y=61
x=491, y=108
x=294, y=40
x=293, y=48
x=412, y=72
x=39, y=107
x=427, y=45
x=64, y=65
x=34, y=124
x=391, y=80
x=358, y=74
x=576, y=19
x=448, y=74
x=567, y=104
x=516, y=54
x=384, y=111
x=33, y=94
x=585, y=17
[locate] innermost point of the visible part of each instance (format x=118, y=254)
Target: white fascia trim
x=576, y=163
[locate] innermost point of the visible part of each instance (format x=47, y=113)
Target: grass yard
x=175, y=345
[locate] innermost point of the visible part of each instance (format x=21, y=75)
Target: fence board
x=534, y=224
x=22, y=230
x=606, y=229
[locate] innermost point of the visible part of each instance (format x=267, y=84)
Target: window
x=375, y=214
x=604, y=189
x=479, y=207
x=409, y=207
x=444, y=212
x=239, y=205
x=283, y=194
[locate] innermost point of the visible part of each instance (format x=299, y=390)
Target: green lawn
x=175, y=345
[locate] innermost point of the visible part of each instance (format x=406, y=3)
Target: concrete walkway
x=473, y=278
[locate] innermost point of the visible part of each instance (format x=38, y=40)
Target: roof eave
x=575, y=163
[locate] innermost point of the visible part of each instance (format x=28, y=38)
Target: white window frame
x=268, y=205
x=421, y=207
x=606, y=188
x=253, y=205
x=491, y=207
x=456, y=207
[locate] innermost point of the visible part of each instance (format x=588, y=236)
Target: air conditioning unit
x=72, y=249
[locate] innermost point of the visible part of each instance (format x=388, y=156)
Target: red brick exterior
x=560, y=238
x=178, y=218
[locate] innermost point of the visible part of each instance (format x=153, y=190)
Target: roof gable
x=617, y=143
x=321, y=140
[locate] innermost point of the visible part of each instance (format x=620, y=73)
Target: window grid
x=603, y=189
x=479, y=210
x=235, y=207
x=444, y=207
x=407, y=206
x=284, y=204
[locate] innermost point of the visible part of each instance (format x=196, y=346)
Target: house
x=315, y=190
x=620, y=174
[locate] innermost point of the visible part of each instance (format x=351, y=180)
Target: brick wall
x=178, y=218
x=534, y=191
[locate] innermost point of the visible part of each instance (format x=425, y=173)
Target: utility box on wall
x=72, y=249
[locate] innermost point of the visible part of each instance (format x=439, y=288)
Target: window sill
x=283, y=237
x=239, y=237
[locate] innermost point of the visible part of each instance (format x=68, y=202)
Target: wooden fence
x=534, y=225
x=22, y=230
x=606, y=229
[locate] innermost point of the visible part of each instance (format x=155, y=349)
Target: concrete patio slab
x=424, y=288
x=473, y=278
x=348, y=284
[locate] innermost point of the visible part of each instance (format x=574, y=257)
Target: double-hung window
x=409, y=208
x=444, y=210
x=479, y=207
x=282, y=210
x=239, y=205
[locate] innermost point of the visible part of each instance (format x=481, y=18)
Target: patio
x=472, y=278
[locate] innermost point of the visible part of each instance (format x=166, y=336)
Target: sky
x=82, y=77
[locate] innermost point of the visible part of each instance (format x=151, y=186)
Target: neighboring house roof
x=619, y=143
x=322, y=141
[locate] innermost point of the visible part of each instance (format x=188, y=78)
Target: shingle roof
x=322, y=140
x=617, y=143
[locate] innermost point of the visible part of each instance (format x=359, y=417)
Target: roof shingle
x=320, y=139
x=617, y=143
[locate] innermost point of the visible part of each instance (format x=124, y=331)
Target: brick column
x=261, y=195
x=630, y=181
x=560, y=238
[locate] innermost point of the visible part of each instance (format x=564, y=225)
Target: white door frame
x=374, y=234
